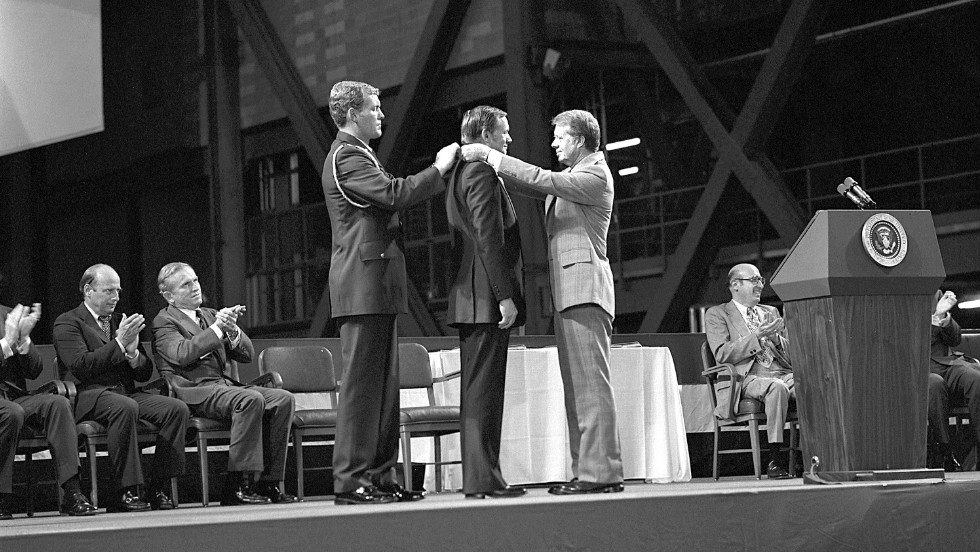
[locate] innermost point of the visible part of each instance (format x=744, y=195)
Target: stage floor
x=737, y=513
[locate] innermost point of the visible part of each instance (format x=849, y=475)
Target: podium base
x=865, y=476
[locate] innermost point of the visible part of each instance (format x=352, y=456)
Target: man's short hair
x=580, y=123
x=89, y=276
x=478, y=119
x=167, y=273
x=345, y=95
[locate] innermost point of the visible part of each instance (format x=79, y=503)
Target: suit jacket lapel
x=736, y=319
x=188, y=323
x=83, y=313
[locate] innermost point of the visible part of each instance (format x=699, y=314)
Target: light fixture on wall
x=622, y=144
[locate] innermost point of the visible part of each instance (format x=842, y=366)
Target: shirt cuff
x=941, y=322
x=7, y=351
x=218, y=331
x=494, y=158
x=24, y=346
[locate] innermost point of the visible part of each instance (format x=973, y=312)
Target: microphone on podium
x=850, y=189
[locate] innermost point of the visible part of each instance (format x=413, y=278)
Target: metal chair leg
x=756, y=449
x=202, y=455
x=407, y=458
x=298, y=450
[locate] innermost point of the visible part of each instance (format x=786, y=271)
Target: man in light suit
x=953, y=375
x=578, y=208
x=368, y=289
x=192, y=346
x=101, y=349
x=19, y=362
x=485, y=301
x=752, y=337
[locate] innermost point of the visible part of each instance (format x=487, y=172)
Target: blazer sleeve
x=589, y=185
x=244, y=352
x=18, y=366
x=723, y=346
x=482, y=196
x=365, y=182
x=950, y=335
x=75, y=356
x=175, y=350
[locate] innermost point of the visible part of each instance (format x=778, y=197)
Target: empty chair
x=305, y=369
x=423, y=421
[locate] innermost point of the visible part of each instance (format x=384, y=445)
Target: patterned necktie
x=763, y=357
x=106, y=329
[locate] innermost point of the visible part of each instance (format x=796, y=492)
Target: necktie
x=106, y=329
x=763, y=357
x=200, y=319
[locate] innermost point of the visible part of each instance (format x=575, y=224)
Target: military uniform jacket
x=367, y=267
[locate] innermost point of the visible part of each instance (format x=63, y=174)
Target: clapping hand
x=128, y=333
x=227, y=318
x=11, y=325
x=29, y=318
x=945, y=304
x=772, y=326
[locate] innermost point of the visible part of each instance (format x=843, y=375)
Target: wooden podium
x=859, y=335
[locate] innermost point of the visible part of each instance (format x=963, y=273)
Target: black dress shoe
x=128, y=502
x=585, y=487
x=364, y=495
x=242, y=495
x=400, y=493
x=775, y=471
x=506, y=492
x=75, y=504
x=271, y=490
x=160, y=500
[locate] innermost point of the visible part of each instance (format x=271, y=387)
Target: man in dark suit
x=752, y=337
x=368, y=290
x=953, y=376
x=485, y=300
x=192, y=346
x=578, y=207
x=19, y=362
x=101, y=349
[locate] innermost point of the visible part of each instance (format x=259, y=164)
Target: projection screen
x=50, y=72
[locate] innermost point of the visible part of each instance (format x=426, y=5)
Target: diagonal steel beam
x=421, y=82
x=669, y=51
x=315, y=135
x=695, y=253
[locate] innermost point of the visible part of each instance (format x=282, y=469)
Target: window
x=288, y=240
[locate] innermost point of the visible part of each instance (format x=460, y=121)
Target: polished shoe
x=128, y=502
x=271, y=490
x=242, y=495
x=160, y=500
x=506, y=492
x=400, y=493
x=585, y=487
x=75, y=504
x=364, y=495
x=775, y=471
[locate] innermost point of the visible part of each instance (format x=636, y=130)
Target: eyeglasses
x=756, y=280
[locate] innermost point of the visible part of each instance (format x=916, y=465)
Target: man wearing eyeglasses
x=752, y=337
x=101, y=349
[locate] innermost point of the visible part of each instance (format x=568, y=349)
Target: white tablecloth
x=534, y=437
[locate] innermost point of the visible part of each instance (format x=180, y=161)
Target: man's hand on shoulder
x=475, y=152
x=446, y=158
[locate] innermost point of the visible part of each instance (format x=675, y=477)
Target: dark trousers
x=260, y=420
x=483, y=369
x=962, y=386
x=121, y=414
x=366, y=448
x=53, y=414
